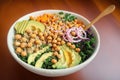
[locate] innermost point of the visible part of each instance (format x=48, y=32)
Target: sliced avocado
x=21, y=26
x=73, y=57
x=32, y=57
x=76, y=60
x=41, y=60
x=16, y=26
x=24, y=26
x=35, y=24
x=61, y=62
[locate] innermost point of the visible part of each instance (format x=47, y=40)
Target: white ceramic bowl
x=51, y=72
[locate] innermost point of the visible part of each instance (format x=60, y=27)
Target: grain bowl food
x=53, y=40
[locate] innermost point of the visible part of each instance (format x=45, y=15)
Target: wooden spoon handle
x=107, y=11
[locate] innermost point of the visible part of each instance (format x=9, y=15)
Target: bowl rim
x=54, y=70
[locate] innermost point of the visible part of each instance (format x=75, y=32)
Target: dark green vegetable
x=47, y=63
x=23, y=58
x=43, y=45
x=61, y=13
x=87, y=47
x=69, y=17
x=37, y=57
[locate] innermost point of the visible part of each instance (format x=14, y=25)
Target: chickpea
x=51, y=34
x=23, y=45
x=49, y=41
x=33, y=35
x=54, y=61
x=59, y=43
x=35, y=32
x=55, y=53
x=40, y=34
x=54, y=41
x=72, y=46
x=57, y=48
x=49, y=38
x=16, y=43
x=77, y=49
x=59, y=28
x=58, y=39
x=53, y=49
x=45, y=34
x=18, y=36
x=29, y=50
x=60, y=23
x=66, y=27
x=52, y=31
x=55, y=36
x=32, y=40
x=24, y=39
x=69, y=44
x=54, y=45
x=29, y=44
x=42, y=38
x=73, y=33
x=70, y=26
x=18, y=50
x=28, y=31
x=44, y=42
x=62, y=42
x=23, y=53
x=37, y=41
x=77, y=25
x=60, y=33
x=83, y=26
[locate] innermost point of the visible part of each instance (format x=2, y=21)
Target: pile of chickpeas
x=56, y=28
x=31, y=40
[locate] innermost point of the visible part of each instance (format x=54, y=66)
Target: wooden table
x=106, y=65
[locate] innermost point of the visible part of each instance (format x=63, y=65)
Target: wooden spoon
x=107, y=11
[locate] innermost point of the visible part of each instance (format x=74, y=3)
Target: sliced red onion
x=81, y=34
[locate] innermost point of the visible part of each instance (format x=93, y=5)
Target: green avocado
x=69, y=58
x=75, y=57
x=41, y=60
x=32, y=57
x=21, y=26
x=61, y=62
x=35, y=25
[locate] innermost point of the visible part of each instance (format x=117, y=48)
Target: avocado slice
x=32, y=57
x=41, y=60
x=16, y=26
x=61, y=62
x=35, y=24
x=69, y=58
x=73, y=58
x=24, y=26
x=76, y=59
x=21, y=26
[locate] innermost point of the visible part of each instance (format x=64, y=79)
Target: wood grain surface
x=106, y=65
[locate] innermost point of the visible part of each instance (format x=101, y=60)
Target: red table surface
x=105, y=66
